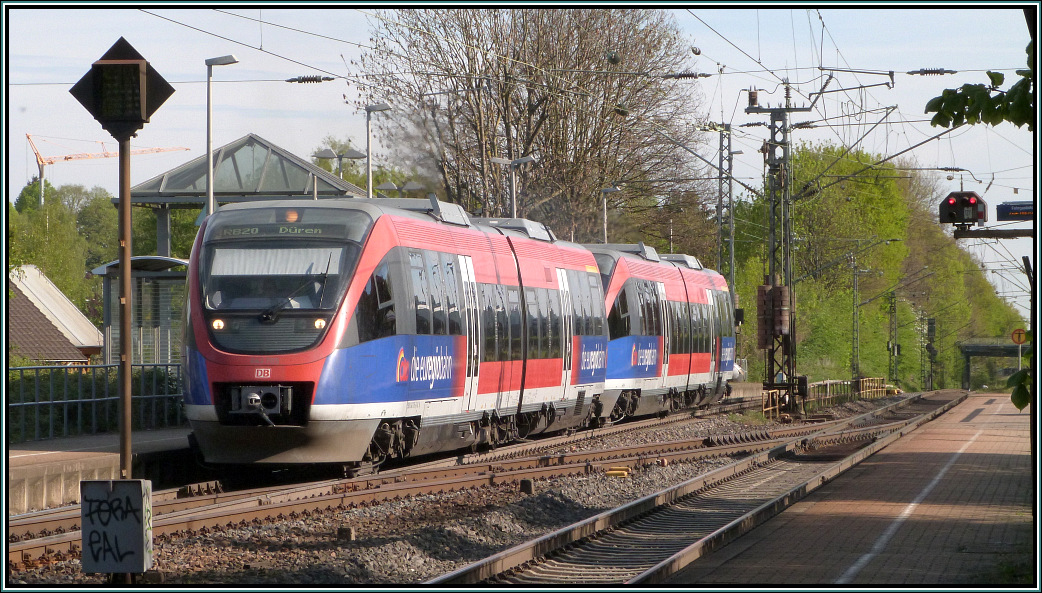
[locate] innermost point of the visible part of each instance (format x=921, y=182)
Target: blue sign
x=635, y=357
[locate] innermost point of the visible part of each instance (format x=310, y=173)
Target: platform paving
x=951, y=503
x=44, y=474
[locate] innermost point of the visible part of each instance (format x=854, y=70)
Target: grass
x=752, y=418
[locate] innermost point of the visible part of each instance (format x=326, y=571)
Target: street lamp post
x=210, y=63
x=513, y=164
x=369, y=110
x=604, y=202
x=327, y=153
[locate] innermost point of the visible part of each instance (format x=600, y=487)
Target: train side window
x=421, y=293
x=502, y=326
x=544, y=322
x=514, y=312
x=597, y=304
x=374, y=314
x=532, y=317
x=675, y=337
x=680, y=319
x=618, y=317
x=703, y=327
x=436, y=274
x=696, y=344
x=685, y=324
x=488, y=319
x=583, y=302
x=453, y=281
x=554, y=314
x=642, y=307
x=655, y=309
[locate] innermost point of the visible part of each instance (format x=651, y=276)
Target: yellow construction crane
x=42, y=161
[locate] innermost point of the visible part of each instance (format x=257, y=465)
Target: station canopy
x=246, y=170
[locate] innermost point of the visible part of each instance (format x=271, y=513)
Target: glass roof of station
x=247, y=169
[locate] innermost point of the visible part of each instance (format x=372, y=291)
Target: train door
x=470, y=301
x=711, y=323
x=664, y=317
x=566, y=327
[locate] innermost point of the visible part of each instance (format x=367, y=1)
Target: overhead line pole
x=780, y=351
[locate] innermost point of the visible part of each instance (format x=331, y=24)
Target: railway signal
x=963, y=208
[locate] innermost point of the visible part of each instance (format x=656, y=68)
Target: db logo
x=262, y=374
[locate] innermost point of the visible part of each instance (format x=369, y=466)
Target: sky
x=49, y=48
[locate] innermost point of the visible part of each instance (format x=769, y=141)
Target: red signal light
x=951, y=201
x=973, y=200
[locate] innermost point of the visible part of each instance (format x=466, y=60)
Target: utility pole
x=725, y=210
x=855, y=354
x=892, y=374
x=780, y=355
x=931, y=350
x=720, y=204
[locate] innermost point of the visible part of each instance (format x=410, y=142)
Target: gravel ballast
x=410, y=541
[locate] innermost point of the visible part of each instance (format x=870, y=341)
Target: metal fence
x=46, y=402
x=828, y=393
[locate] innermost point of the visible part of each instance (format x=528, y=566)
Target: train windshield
x=275, y=259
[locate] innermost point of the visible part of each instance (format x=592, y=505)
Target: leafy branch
x=976, y=103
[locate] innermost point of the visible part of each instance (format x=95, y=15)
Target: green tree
x=98, y=222
x=48, y=238
x=930, y=276
x=29, y=197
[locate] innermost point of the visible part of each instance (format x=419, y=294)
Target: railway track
x=646, y=541
x=54, y=535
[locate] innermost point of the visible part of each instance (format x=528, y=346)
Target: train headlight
x=320, y=324
x=217, y=324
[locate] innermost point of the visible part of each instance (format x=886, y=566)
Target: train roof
x=639, y=249
x=683, y=259
x=438, y=210
x=534, y=230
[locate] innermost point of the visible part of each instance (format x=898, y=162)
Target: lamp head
x=222, y=61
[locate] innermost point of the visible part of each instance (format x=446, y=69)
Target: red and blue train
x=353, y=331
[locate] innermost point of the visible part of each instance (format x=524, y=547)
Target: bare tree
x=582, y=90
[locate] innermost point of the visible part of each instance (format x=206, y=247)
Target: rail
x=47, y=402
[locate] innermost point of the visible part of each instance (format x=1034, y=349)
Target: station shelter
x=245, y=170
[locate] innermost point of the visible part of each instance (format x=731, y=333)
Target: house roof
x=55, y=307
x=31, y=334
x=248, y=169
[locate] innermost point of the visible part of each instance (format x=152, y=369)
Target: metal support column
x=892, y=340
x=855, y=353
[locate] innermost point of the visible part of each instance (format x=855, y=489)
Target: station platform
x=45, y=474
x=951, y=503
